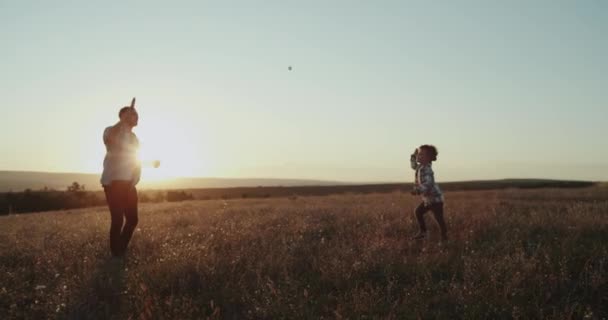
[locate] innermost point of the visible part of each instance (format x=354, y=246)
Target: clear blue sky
x=503, y=88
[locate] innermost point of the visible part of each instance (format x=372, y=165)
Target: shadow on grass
x=102, y=297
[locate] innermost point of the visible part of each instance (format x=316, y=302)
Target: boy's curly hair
x=431, y=150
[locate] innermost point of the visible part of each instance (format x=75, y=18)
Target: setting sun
x=176, y=154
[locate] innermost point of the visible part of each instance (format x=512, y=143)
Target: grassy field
x=512, y=253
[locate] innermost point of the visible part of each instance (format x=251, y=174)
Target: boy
x=432, y=198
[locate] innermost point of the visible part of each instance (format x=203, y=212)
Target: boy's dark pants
x=121, y=197
x=437, y=209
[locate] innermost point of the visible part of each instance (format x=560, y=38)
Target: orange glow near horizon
x=169, y=145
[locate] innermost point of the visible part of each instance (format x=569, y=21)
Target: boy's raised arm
x=413, y=162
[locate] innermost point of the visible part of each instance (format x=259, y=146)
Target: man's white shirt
x=121, y=161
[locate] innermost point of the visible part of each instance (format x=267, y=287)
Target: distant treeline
x=266, y=192
x=76, y=196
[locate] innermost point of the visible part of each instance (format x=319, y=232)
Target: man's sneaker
x=419, y=236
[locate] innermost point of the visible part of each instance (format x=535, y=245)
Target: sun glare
x=176, y=155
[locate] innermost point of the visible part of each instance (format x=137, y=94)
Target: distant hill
x=319, y=190
x=21, y=180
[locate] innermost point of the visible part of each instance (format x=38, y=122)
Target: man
x=121, y=173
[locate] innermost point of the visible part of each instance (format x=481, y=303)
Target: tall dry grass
x=511, y=254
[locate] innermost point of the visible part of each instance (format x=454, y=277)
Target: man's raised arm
x=110, y=136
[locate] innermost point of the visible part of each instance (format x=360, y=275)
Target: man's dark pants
x=121, y=197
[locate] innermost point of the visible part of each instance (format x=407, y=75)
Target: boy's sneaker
x=419, y=236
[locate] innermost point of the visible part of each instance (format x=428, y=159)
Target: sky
x=504, y=89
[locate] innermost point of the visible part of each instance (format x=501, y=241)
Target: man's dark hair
x=123, y=110
x=432, y=151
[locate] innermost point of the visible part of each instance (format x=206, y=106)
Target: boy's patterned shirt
x=425, y=182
